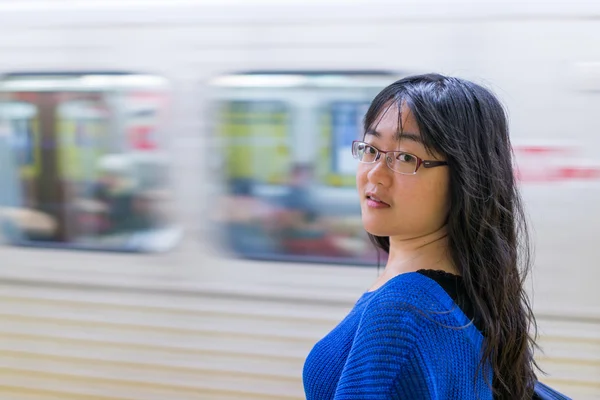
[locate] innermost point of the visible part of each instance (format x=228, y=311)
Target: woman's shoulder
x=413, y=297
x=412, y=288
x=409, y=312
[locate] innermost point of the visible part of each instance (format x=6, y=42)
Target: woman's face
x=413, y=205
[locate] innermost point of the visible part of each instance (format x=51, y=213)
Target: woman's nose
x=380, y=172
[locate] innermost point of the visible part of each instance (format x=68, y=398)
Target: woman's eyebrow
x=410, y=136
x=373, y=132
x=398, y=135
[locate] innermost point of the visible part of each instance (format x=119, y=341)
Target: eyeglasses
x=397, y=161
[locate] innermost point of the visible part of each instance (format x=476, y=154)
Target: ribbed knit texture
x=405, y=340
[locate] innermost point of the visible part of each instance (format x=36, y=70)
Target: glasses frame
x=420, y=161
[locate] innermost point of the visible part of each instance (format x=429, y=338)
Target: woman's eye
x=406, y=158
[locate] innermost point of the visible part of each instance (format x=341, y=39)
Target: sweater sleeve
x=381, y=363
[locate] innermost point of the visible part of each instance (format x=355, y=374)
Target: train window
x=256, y=137
x=342, y=124
x=287, y=173
x=83, y=161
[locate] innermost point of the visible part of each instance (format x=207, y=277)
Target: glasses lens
x=404, y=163
x=363, y=152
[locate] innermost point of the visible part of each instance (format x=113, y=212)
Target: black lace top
x=454, y=286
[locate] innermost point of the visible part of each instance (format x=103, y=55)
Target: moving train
x=179, y=174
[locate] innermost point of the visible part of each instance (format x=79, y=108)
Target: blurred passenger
x=302, y=232
x=244, y=217
x=448, y=318
x=297, y=203
x=115, y=197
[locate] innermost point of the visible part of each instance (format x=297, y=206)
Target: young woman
x=449, y=317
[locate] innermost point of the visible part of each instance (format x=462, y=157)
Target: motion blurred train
x=193, y=158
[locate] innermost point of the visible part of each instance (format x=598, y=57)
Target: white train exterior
x=186, y=318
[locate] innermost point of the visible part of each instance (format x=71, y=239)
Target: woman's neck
x=424, y=252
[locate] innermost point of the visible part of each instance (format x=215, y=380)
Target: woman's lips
x=375, y=202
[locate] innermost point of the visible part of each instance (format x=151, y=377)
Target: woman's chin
x=375, y=228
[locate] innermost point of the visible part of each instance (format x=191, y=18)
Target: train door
x=81, y=130
x=81, y=149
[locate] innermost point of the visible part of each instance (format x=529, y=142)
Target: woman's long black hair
x=487, y=233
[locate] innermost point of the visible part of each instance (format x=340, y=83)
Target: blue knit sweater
x=405, y=340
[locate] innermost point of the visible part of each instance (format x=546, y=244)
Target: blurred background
x=177, y=204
